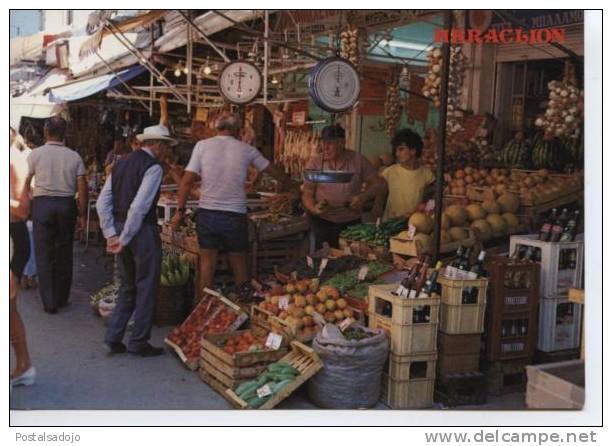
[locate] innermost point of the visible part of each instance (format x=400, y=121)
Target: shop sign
x=540, y=18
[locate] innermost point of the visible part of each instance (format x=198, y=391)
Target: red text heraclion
x=500, y=36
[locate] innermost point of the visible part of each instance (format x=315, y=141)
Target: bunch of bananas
x=175, y=270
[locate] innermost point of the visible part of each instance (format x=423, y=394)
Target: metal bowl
x=328, y=176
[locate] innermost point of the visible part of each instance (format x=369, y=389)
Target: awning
x=81, y=89
x=32, y=106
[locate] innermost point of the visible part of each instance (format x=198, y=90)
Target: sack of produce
x=353, y=363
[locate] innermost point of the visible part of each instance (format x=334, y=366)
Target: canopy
x=83, y=88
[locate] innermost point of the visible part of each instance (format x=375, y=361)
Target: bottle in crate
x=559, y=325
x=458, y=353
x=408, y=381
x=463, y=304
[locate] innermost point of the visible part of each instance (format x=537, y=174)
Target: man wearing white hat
x=127, y=209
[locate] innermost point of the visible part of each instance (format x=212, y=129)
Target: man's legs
x=45, y=233
x=238, y=263
x=208, y=265
x=62, y=269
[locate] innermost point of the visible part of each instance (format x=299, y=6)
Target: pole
x=441, y=140
x=189, y=65
x=266, y=56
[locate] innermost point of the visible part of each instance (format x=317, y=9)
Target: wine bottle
x=478, y=266
x=557, y=228
x=458, y=257
x=421, y=278
x=570, y=230
x=432, y=286
x=547, y=226
x=464, y=263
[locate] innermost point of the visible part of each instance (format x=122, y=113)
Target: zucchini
x=242, y=388
x=257, y=402
x=249, y=394
x=279, y=367
x=278, y=386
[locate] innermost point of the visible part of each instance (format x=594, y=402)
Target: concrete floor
x=74, y=372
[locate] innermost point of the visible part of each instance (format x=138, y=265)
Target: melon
x=422, y=222
x=498, y=224
x=483, y=228
x=445, y=237
x=457, y=233
x=475, y=212
x=457, y=215
x=511, y=220
x=509, y=203
x=491, y=207
x=425, y=241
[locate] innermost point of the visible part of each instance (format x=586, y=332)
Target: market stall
x=425, y=309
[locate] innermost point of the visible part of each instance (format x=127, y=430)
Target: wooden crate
x=265, y=255
x=458, y=353
x=213, y=368
x=285, y=225
x=461, y=389
x=215, y=384
x=411, y=367
x=277, y=325
x=407, y=394
x=412, y=248
x=463, y=305
x=364, y=250
x=504, y=377
x=556, y=386
x=304, y=359
x=541, y=357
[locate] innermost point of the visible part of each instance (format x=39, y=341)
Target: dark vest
x=127, y=176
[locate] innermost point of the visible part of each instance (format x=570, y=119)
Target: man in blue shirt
x=127, y=210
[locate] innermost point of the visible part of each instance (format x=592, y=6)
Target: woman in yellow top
x=408, y=182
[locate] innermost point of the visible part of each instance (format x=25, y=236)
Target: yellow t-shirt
x=406, y=189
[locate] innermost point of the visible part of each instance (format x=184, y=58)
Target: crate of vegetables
x=369, y=240
x=279, y=380
x=214, y=314
x=232, y=358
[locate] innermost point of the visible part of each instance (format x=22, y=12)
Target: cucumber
x=257, y=402
x=278, y=386
x=279, y=367
x=249, y=394
x=242, y=388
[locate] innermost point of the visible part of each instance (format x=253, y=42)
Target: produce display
x=211, y=316
x=246, y=341
x=277, y=376
x=349, y=44
x=374, y=234
x=354, y=333
x=334, y=266
x=564, y=111
x=350, y=279
x=517, y=152
x=299, y=300
x=175, y=271
x=489, y=219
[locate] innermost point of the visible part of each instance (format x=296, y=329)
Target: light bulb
x=186, y=70
x=177, y=72
x=207, y=70
x=274, y=80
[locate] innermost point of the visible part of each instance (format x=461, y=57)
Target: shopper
x=408, y=182
x=120, y=150
x=334, y=206
x=24, y=373
x=59, y=173
x=127, y=208
x=222, y=163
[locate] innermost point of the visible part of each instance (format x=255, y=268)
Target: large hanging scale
x=334, y=85
x=240, y=82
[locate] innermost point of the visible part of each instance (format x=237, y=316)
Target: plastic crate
x=407, y=394
x=514, y=337
x=461, y=389
x=407, y=339
x=463, y=304
x=458, y=353
x=504, y=377
x=554, y=281
x=559, y=326
x=402, y=309
x=402, y=367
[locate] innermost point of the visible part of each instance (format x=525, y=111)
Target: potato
x=321, y=296
x=342, y=304
x=339, y=315
x=311, y=299
x=300, y=300
x=298, y=312
x=320, y=308
x=348, y=312
x=309, y=310
x=307, y=321
x=329, y=317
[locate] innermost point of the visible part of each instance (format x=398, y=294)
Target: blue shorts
x=222, y=230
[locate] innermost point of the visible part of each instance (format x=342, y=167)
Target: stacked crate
x=559, y=319
x=462, y=312
x=412, y=325
x=512, y=323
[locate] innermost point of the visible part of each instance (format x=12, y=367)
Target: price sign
x=363, y=272
x=346, y=323
x=430, y=206
x=378, y=223
x=283, y=302
x=274, y=341
x=264, y=391
x=309, y=262
x=324, y=263
x=411, y=232
x=294, y=275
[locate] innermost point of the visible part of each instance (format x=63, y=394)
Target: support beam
x=203, y=35
x=441, y=141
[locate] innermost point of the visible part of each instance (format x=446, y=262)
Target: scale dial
x=240, y=82
x=335, y=85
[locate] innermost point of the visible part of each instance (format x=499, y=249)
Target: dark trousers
x=327, y=231
x=139, y=265
x=54, y=221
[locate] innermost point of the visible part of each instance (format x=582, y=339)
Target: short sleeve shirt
x=222, y=162
x=406, y=188
x=339, y=195
x=56, y=168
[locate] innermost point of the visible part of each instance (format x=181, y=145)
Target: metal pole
x=151, y=93
x=189, y=65
x=266, y=56
x=204, y=36
x=441, y=142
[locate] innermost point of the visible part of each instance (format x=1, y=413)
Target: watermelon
x=516, y=152
x=549, y=154
x=574, y=148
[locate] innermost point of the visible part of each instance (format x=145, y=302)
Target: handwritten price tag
x=363, y=272
x=324, y=263
x=294, y=275
x=283, y=302
x=346, y=323
x=264, y=391
x=411, y=232
x=309, y=262
x=274, y=341
x=378, y=223
x=430, y=206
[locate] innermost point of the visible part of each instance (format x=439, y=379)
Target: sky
x=24, y=22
